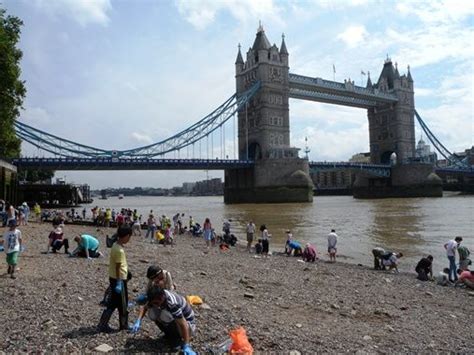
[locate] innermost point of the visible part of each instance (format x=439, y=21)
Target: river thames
x=413, y=226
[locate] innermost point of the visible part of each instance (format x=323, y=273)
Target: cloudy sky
x=121, y=74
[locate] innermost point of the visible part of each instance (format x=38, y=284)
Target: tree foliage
x=34, y=175
x=12, y=88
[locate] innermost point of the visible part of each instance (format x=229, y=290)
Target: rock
x=387, y=280
x=367, y=337
x=452, y=316
x=403, y=308
x=294, y=352
x=389, y=328
x=203, y=273
x=428, y=293
x=205, y=306
x=471, y=293
x=250, y=287
x=103, y=348
x=335, y=306
x=248, y=295
x=80, y=298
x=299, y=325
x=144, y=261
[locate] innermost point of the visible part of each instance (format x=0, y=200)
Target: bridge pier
x=407, y=180
x=269, y=181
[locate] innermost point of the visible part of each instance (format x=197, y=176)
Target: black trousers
x=117, y=301
x=57, y=244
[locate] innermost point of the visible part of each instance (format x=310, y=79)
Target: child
x=118, y=272
x=264, y=239
x=12, y=238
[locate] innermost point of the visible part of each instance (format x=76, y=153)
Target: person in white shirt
x=250, y=234
x=451, y=248
x=332, y=242
x=392, y=261
x=12, y=246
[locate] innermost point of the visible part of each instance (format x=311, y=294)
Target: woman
x=207, y=229
x=264, y=238
x=151, y=223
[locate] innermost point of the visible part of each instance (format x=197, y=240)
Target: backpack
x=109, y=241
x=463, y=253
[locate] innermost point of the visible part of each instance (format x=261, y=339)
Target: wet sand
x=53, y=305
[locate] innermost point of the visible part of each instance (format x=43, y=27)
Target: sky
x=118, y=74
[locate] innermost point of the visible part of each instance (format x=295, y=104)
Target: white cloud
x=201, y=13
x=353, y=35
x=36, y=116
x=430, y=12
x=141, y=138
x=83, y=11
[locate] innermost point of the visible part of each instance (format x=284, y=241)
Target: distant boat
x=103, y=194
x=120, y=196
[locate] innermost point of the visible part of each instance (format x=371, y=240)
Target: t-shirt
x=467, y=275
x=463, y=253
x=265, y=234
x=393, y=260
x=424, y=264
x=178, y=307
x=451, y=247
x=89, y=242
x=11, y=241
x=294, y=245
x=55, y=235
x=332, y=240
x=117, y=256
x=251, y=228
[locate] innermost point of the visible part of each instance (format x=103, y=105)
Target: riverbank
x=53, y=304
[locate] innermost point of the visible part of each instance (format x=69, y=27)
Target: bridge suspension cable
x=191, y=135
x=451, y=158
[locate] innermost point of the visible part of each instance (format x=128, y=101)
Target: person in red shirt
x=466, y=277
x=57, y=240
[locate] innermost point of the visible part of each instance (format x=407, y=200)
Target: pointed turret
x=239, y=59
x=283, y=49
x=369, y=82
x=410, y=79
x=261, y=41
x=388, y=73
x=397, y=74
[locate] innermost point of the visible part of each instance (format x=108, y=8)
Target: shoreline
x=320, y=307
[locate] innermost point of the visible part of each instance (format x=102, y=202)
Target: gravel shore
x=284, y=304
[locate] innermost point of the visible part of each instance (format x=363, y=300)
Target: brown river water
x=414, y=226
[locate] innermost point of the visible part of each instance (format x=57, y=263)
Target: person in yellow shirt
x=118, y=272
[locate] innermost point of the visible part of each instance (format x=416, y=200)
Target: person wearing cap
x=156, y=277
x=12, y=245
x=173, y=315
x=56, y=241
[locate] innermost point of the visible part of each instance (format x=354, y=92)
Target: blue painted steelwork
x=454, y=161
x=372, y=169
x=317, y=89
x=468, y=171
x=130, y=164
x=198, y=131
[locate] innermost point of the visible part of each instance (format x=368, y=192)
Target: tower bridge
x=266, y=168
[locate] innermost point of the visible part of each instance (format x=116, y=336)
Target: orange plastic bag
x=240, y=342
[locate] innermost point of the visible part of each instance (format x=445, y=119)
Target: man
x=173, y=315
x=293, y=246
x=56, y=241
x=87, y=246
x=464, y=260
x=332, y=242
x=226, y=226
x=451, y=247
x=424, y=268
x=250, y=234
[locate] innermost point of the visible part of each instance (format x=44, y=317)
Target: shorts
x=249, y=237
x=332, y=250
x=207, y=234
x=12, y=258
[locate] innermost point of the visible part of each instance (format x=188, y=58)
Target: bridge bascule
x=268, y=168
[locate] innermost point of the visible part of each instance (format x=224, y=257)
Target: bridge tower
x=279, y=175
x=392, y=126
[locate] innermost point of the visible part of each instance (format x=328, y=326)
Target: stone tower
x=278, y=175
x=392, y=126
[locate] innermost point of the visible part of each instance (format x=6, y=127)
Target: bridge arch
x=255, y=151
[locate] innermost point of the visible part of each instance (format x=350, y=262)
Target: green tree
x=34, y=175
x=12, y=88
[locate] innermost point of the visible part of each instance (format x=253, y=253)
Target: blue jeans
x=452, y=268
x=152, y=230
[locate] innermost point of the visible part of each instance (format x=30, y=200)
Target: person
x=424, y=268
x=464, y=260
x=84, y=214
x=258, y=247
x=173, y=315
x=56, y=241
x=26, y=212
x=137, y=229
x=87, y=246
x=3, y=213
x=37, y=211
x=289, y=235
x=118, y=276
x=226, y=226
x=250, y=233
x=390, y=260
x=108, y=217
x=309, y=253
x=13, y=246
x=11, y=214
x=442, y=278
x=332, y=242
x=207, y=231
x=466, y=278
x=451, y=247
x=378, y=252
x=264, y=240
x=293, y=246
x=151, y=227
